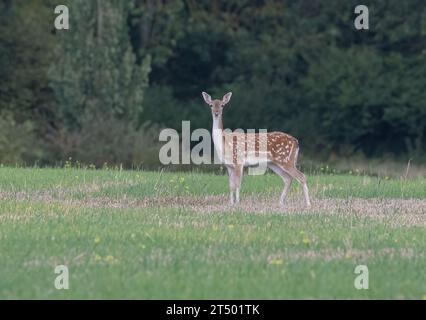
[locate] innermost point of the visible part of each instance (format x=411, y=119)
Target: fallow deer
x=237, y=150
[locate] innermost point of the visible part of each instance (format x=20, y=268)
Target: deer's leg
x=239, y=176
x=286, y=179
x=235, y=176
x=287, y=183
x=232, y=187
x=300, y=177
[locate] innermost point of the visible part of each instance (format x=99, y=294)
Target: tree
x=25, y=54
x=95, y=69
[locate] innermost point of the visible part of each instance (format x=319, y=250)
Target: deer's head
x=217, y=105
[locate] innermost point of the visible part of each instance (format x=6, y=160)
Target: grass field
x=159, y=235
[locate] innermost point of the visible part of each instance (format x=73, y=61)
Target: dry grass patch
x=395, y=212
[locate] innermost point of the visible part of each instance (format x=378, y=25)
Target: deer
x=237, y=150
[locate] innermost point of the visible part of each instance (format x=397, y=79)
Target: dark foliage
x=295, y=66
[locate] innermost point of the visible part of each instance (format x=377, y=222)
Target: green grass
x=173, y=251
x=146, y=184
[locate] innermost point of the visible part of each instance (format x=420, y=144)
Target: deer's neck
x=217, y=124
x=218, y=136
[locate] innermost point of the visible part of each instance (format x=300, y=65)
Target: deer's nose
x=216, y=114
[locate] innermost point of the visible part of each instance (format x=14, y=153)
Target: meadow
x=170, y=235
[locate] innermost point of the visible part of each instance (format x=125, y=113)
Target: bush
x=18, y=142
x=104, y=139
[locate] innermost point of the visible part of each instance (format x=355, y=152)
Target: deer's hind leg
x=287, y=179
x=300, y=177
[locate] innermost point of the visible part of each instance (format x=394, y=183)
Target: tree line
x=99, y=92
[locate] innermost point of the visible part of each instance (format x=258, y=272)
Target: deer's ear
x=207, y=98
x=226, y=98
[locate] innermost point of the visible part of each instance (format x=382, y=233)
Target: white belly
x=255, y=160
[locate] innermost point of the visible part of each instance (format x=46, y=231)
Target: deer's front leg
x=238, y=172
x=235, y=176
x=232, y=184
